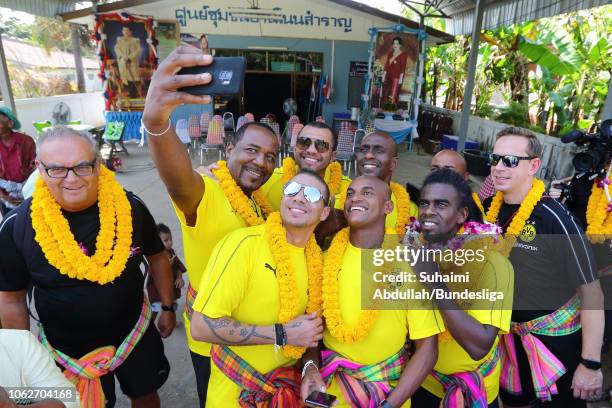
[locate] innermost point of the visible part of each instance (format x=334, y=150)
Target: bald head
x=450, y=159
x=377, y=156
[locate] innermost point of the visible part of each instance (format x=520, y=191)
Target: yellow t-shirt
x=240, y=282
x=498, y=276
x=387, y=335
x=391, y=219
x=215, y=218
x=273, y=189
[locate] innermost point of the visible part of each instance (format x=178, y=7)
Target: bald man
x=450, y=159
x=377, y=156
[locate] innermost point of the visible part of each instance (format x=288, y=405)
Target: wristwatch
x=385, y=404
x=170, y=308
x=590, y=364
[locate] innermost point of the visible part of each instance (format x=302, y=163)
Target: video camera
x=590, y=162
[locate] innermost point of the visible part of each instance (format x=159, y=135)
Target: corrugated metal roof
x=505, y=12
x=46, y=8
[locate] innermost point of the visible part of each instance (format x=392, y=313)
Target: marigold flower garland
x=238, y=200
x=331, y=293
x=477, y=202
x=335, y=174
x=599, y=220
x=289, y=307
x=520, y=218
x=52, y=232
x=402, y=199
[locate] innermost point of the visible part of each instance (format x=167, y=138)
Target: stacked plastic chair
x=242, y=120
x=295, y=131
x=194, y=130
x=214, y=138
x=345, y=151
x=229, y=125
x=182, y=131
x=250, y=117
x=204, y=121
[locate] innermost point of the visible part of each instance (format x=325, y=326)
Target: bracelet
x=385, y=404
x=308, y=364
x=155, y=134
x=590, y=364
x=279, y=335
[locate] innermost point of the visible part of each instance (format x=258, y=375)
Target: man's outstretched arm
x=184, y=185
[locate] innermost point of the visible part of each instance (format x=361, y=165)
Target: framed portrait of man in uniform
x=394, y=69
x=128, y=56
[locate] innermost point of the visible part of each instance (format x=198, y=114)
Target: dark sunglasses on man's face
x=508, y=160
x=304, y=143
x=312, y=194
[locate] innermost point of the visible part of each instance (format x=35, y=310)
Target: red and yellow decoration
x=520, y=218
x=238, y=200
x=52, y=232
x=331, y=302
x=599, y=208
x=335, y=174
x=289, y=307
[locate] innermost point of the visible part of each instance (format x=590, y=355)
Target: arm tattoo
x=231, y=332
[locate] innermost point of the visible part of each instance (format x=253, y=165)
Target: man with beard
x=365, y=360
x=377, y=156
x=553, y=355
x=468, y=361
x=258, y=331
x=207, y=209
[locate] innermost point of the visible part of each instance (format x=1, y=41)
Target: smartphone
x=227, y=77
x=320, y=399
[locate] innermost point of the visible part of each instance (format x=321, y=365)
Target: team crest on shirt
x=528, y=233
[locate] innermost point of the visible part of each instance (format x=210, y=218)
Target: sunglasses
x=304, y=143
x=508, y=160
x=312, y=194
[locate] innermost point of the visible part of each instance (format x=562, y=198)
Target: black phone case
x=227, y=77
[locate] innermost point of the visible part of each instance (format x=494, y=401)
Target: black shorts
x=425, y=399
x=144, y=371
x=567, y=349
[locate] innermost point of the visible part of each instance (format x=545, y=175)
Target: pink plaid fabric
x=204, y=120
x=487, y=189
x=194, y=127
x=216, y=133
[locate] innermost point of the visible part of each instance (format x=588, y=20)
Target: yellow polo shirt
x=273, y=188
x=215, y=218
x=391, y=219
x=240, y=282
x=387, y=335
x=498, y=276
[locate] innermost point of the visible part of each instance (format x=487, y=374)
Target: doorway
x=265, y=93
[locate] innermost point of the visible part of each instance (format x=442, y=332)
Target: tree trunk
x=78, y=61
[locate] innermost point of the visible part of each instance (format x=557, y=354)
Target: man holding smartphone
x=365, y=360
x=203, y=205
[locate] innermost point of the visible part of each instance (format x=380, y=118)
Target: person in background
x=26, y=363
x=178, y=269
x=204, y=44
x=17, y=154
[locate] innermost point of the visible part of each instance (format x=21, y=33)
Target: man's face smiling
x=310, y=158
x=297, y=211
x=440, y=212
x=507, y=179
x=252, y=160
x=367, y=202
x=73, y=193
x=376, y=157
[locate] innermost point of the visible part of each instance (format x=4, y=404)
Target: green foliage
x=516, y=115
x=12, y=27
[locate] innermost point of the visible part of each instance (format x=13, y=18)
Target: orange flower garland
x=402, y=199
x=52, y=232
x=289, y=308
x=335, y=174
x=520, y=218
x=477, y=202
x=331, y=293
x=599, y=220
x=237, y=199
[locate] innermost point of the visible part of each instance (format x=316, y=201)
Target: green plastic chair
x=113, y=134
x=73, y=122
x=41, y=126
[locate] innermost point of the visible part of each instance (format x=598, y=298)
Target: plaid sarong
x=190, y=298
x=467, y=389
x=277, y=389
x=85, y=372
x=546, y=369
x=361, y=385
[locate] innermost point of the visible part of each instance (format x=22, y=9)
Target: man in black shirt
x=105, y=305
x=552, y=264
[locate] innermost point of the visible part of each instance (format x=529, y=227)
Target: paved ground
x=140, y=176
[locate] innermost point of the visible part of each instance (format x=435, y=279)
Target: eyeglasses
x=81, y=170
x=312, y=194
x=304, y=143
x=508, y=160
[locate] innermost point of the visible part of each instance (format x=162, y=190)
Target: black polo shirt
x=78, y=315
x=551, y=258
